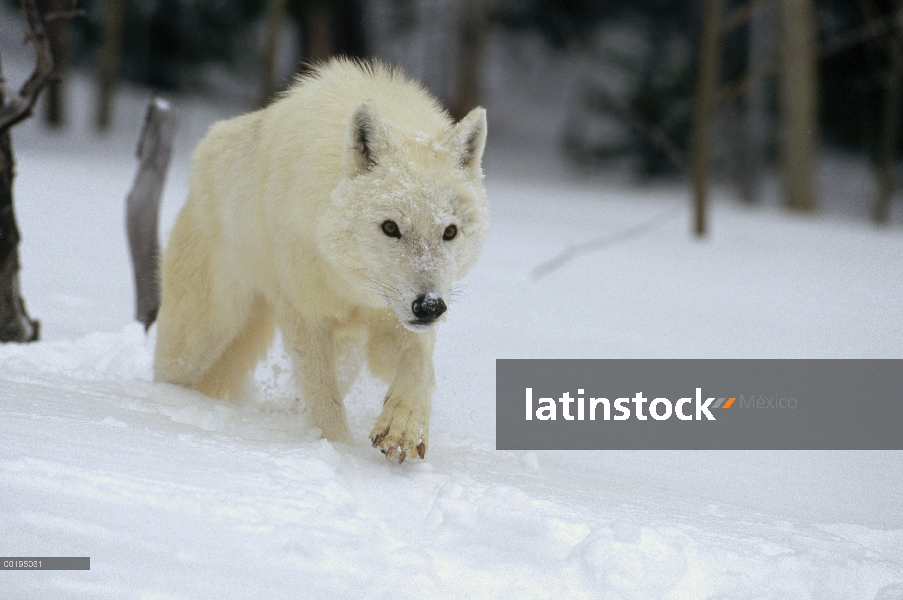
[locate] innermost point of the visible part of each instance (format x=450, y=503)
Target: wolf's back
x=333, y=89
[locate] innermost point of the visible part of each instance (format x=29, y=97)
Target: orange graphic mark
x=728, y=403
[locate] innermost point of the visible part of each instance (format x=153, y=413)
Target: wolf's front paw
x=400, y=432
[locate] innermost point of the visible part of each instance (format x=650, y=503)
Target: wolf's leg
x=229, y=375
x=350, y=357
x=403, y=427
x=313, y=352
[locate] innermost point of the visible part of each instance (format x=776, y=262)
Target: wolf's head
x=409, y=215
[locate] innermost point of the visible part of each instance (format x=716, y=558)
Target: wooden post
x=143, y=207
x=704, y=108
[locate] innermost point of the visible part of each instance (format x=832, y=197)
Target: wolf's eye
x=390, y=228
x=450, y=232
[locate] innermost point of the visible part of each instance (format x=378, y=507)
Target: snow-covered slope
x=174, y=495
x=177, y=496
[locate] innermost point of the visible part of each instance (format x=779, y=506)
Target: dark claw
x=379, y=438
x=402, y=456
x=390, y=451
x=421, y=450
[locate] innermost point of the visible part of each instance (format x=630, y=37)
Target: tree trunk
x=275, y=16
x=349, y=30
x=798, y=104
x=891, y=124
x=742, y=162
x=15, y=324
x=471, y=49
x=318, y=35
x=57, y=34
x=704, y=108
x=143, y=207
x=108, y=61
x=757, y=116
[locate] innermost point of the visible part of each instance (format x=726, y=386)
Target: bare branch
x=606, y=241
x=19, y=106
x=735, y=89
x=652, y=132
x=870, y=30
x=739, y=16
x=874, y=28
x=63, y=14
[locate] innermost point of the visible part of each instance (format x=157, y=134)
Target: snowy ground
x=174, y=495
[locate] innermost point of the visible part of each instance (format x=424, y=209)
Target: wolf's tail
x=143, y=207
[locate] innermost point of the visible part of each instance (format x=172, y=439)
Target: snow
x=175, y=495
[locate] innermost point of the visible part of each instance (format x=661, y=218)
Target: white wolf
x=344, y=210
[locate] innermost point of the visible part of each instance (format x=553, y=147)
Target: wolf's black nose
x=428, y=307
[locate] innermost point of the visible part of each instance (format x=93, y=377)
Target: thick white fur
x=283, y=227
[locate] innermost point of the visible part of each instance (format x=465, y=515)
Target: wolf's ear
x=467, y=140
x=364, y=138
